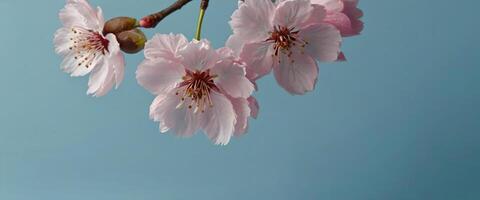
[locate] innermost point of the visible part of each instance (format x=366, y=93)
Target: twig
x=152, y=20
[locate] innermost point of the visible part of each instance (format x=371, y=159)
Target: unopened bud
x=119, y=24
x=147, y=22
x=131, y=41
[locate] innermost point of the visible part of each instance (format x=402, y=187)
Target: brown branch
x=152, y=20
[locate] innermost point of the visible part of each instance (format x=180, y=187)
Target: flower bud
x=131, y=41
x=147, y=22
x=119, y=24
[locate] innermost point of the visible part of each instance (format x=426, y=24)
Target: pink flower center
x=197, y=86
x=284, y=39
x=86, y=45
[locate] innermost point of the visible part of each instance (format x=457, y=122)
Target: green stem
x=199, y=24
x=203, y=8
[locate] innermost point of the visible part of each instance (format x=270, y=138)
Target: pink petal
x=242, y=111
x=231, y=78
x=344, y=14
x=80, y=13
x=180, y=121
x=75, y=70
x=351, y=9
x=198, y=55
x=80, y=2
x=99, y=14
x=108, y=73
x=258, y=59
x=323, y=41
x=354, y=13
x=107, y=85
x=235, y=42
x=165, y=46
x=297, y=76
x=101, y=79
x=219, y=120
x=317, y=15
x=62, y=41
x=97, y=77
x=159, y=75
x=118, y=62
x=357, y=27
x=254, y=106
x=330, y=5
x=252, y=16
x=226, y=53
x=292, y=13
x=340, y=21
x=116, y=58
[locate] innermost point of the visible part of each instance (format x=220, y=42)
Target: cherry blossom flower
x=288, y=36
x=343, y=14
x=86, y=50
x=197, y=88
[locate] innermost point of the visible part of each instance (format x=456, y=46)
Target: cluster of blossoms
x=198, y=87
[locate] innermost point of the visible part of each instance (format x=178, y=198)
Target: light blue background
x=399, y=121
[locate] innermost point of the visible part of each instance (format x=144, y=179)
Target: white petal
x=292, y=13
x=107, y=73
x=62, y=41
x=198, y=55
x=118, y=62
x=323, y=41
x=113, y=45
x=219, y=120
x=231, y=78
x=253, y=20
x=82, y=70
x=330, y=5
x=101, y=20
x=69, y=64
x=235, y=43
x=159, y=75
x=100, y=77
x=297, y=76
x=107, y=85
x=226, y=53
x=165, y=46
x=79, y=13
x=242, y=111
x=180, y=121
x=116, y=58
x=317, y=15
x=258, y=58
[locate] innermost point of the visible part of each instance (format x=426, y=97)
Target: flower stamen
x=284, y=39
x=86, y=45
x=197, y=86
